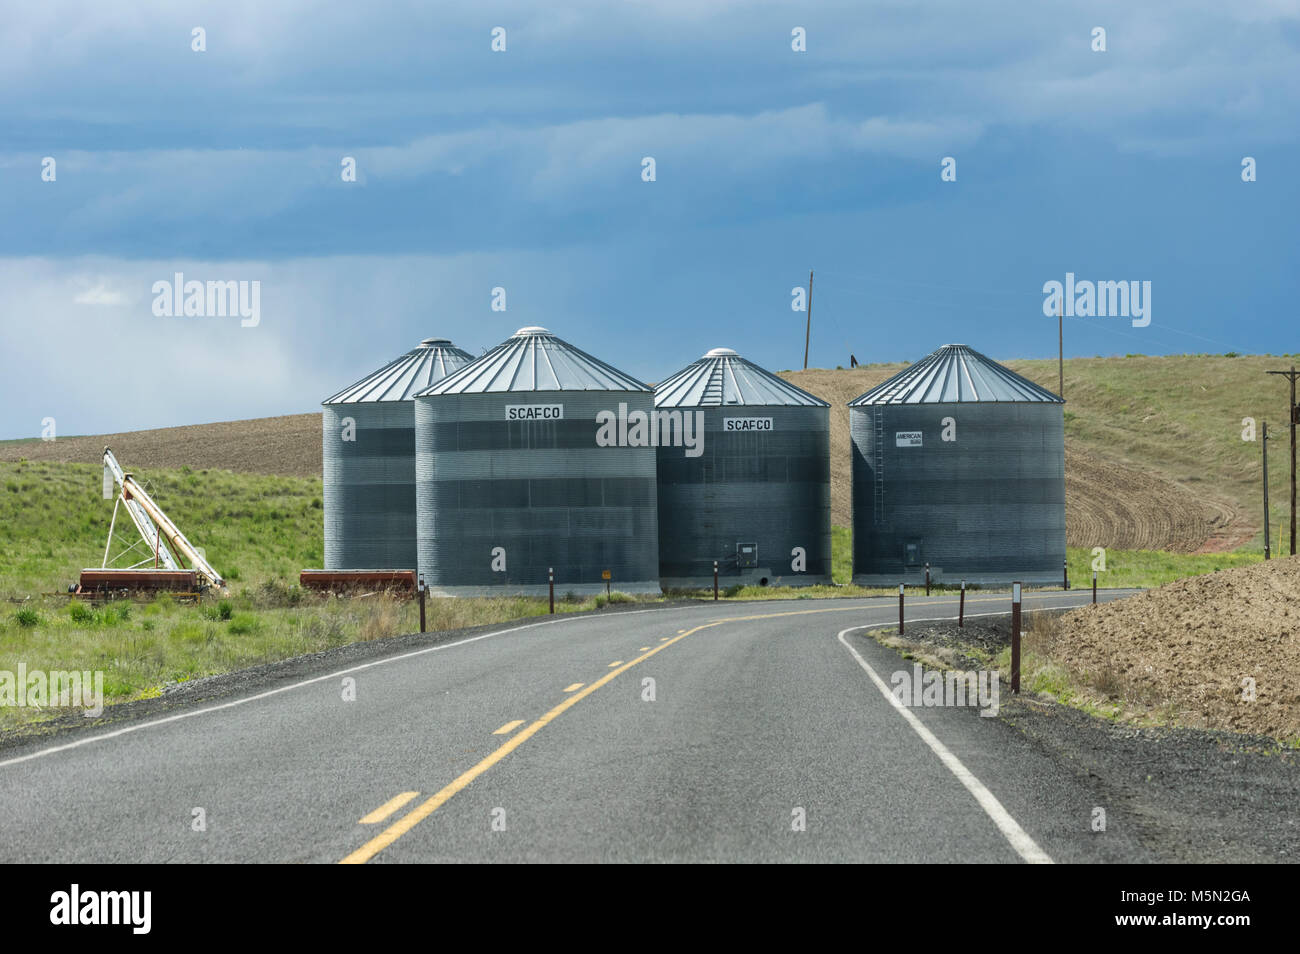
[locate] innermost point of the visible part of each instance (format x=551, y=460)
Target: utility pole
x=1267, y=548
x=1060, y=344
x=807, y=335
x=1293, y=415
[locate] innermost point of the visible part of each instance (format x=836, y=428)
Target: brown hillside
x=1110, y=501
x=265, y=445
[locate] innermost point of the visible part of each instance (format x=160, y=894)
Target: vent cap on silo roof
x=722, y=378
x=402, y=378
x=956, y=374
x=533, y=359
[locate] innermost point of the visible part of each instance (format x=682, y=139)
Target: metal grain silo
x=368, y=460
x=758, y=497
x=511, y=481
x=958, y=462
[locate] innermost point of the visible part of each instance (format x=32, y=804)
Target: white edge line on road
x=1024, y=845
x=307, y=682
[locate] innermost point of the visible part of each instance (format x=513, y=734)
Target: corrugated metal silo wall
x=542, y=490
x=369, y=486
x=771, y=488
x=989, y=505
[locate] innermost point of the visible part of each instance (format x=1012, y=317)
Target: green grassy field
x=53, y=522
x=1145, y=568
x=1181, y=416
x=258, y=531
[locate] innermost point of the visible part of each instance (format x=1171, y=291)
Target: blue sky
x=522, y=169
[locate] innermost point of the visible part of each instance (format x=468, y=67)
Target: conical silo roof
x=722, y=378
x=402, y=378
x=956, y=374
x=533, y=359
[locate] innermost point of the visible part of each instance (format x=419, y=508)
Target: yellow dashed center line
x=643, y=649
x=509, y=727
x=386, y=809
x=616, y=662
x=574, y=687
x=427, y=808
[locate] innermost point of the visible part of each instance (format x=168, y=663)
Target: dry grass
x=1041, y=634
x=381, y=616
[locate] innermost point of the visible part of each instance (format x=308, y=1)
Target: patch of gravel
x=1193, y=795
x=987, y=634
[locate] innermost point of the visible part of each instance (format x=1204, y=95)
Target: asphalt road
x=538, y=742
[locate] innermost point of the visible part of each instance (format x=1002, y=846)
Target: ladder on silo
x=878, y=491
x=713, y=387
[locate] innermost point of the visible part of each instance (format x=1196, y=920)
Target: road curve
x=768, y=738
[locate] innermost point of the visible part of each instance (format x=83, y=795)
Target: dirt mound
x=290, y=446
x=1192, y=643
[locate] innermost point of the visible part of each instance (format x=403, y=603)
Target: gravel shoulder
x=1195, y=795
